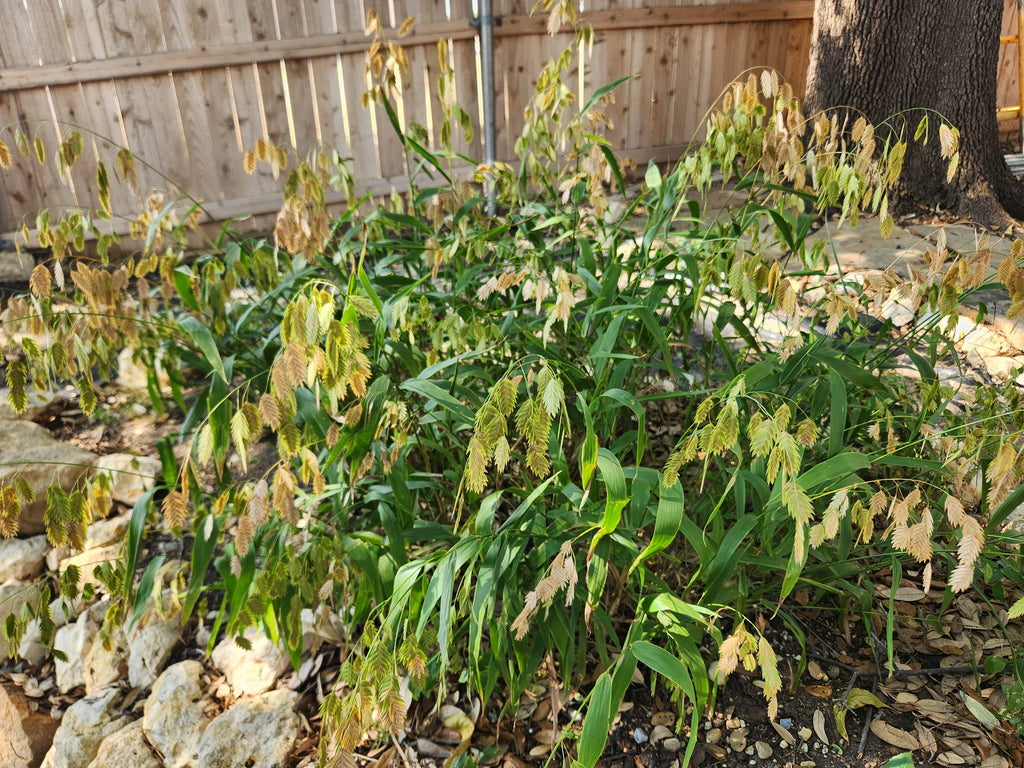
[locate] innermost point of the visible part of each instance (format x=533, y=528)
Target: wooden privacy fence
x=188, y=85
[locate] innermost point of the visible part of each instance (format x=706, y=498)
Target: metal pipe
x=487, y=86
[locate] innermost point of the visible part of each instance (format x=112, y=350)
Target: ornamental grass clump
x=468, y=477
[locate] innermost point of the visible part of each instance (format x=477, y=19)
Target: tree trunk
x=889, y=59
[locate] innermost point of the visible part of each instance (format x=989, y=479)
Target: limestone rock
x=900, y=311
x=174, y=720
x=31, y=648
x=249, y=672
x=16, y=266
x=87, y=561
x=132, y=374
x=109, y=531
x=98, y=534
x=150, y=643
x=15, y=594
x=76, y=641
x=126, y=748
x=130, y=476
x=28, y=450
x=102, y=666
x=22, y=558
x=40, y=403
x=1002, y=368
x=85, y=724
x=25, y=736
x=258, y=732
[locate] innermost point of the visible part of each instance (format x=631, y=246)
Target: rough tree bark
x=883, y=57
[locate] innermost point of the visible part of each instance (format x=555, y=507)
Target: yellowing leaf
x=980, y=711
x=951, y=171
x=858, y=697
x=1017, y=609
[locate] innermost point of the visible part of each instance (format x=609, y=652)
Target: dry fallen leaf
x=818, y=721
x=903, y=594
x=894, y=736
x=995, y=761
x=819, y=691
x=815, y=670
x=926, y=738
x=788, y=737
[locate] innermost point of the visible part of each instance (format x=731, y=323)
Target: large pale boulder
x=126, y=748
x=174, y=717
x=258, y=732
x=15, y=594
x=15, y=266
x=108, y=531
x=87, y=561
x=104, y=666
x=41, y=403
x=99, y=533
x=22, y=558
x=25, y=736
x=150, y=643
x=31, y=647
x=85, y=724
x=28, y=450
x=76, y=641
x=253, y=671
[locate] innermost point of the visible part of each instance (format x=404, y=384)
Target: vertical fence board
x=102, y=116
x=320, y=20
x=114, y=20
x=296, y=96
x=204, y=180
x=210, y=26
x=33, y=186
x=189, y=124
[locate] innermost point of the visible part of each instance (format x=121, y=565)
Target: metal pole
x=1020, y=70
x=487, y=86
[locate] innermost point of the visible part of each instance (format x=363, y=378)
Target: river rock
x=258, y=732
x=253, y=671
x=130, y=476
x=25, y=735
x=126, y=748
x=22, y=558
x=85, y=724
x=174, y=719
x=28, y=450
